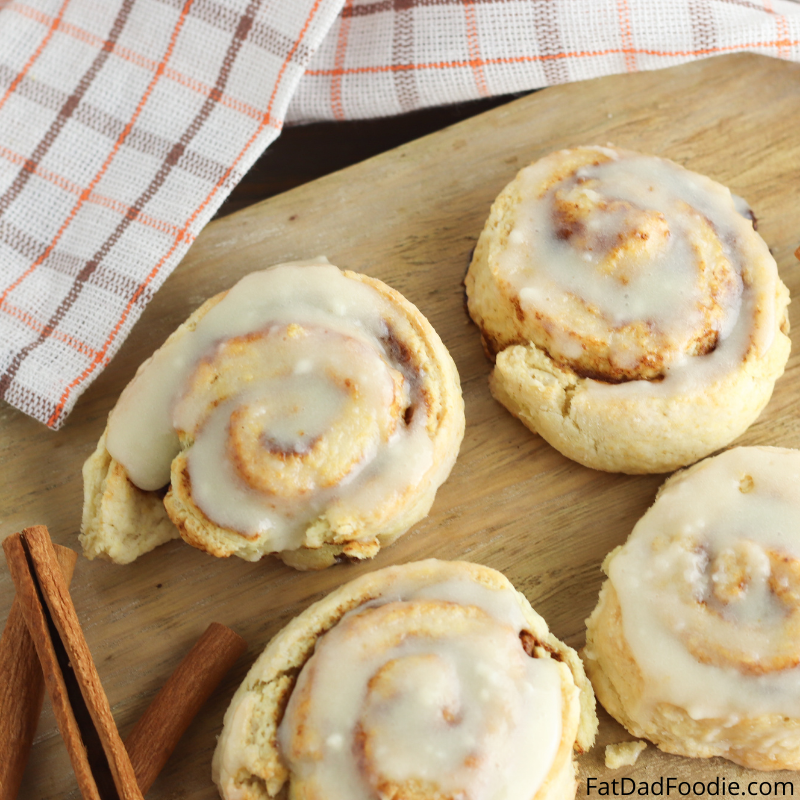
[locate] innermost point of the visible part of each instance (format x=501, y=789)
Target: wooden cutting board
x=411, y=217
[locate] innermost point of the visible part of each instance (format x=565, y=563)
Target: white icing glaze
x=318, y=372
x=709, y=587
x=472, y=715
x=657, y=283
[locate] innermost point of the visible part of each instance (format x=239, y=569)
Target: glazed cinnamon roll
x=636, y=319
x=695, y=642
x=429, y=680
x=306, y=412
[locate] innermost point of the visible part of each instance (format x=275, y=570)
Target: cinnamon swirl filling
x=410, y=682
x=611, y=286
x=623, y=266
x=440, y=701
x=304, y=410
x=696, y=640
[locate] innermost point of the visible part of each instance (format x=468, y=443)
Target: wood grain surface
x=411, y=217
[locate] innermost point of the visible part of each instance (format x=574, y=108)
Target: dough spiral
x=695, y=641
x=306, y=412
x=431, y=680
x=636, y=319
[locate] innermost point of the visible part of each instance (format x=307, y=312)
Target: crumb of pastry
x=623, y=754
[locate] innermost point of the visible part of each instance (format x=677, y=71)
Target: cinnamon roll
x=695, y=641
x=636, y=319
x=306, y=412
x=430, y=680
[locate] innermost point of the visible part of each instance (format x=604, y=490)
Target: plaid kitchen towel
x=125, y=123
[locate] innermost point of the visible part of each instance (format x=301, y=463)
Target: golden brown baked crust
x=702, y=621
x=249, y=764
x=336, y=531
x=768, y=742
x=120, y=521
x=591, y=379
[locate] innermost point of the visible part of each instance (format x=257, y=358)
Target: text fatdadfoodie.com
x=674, y=787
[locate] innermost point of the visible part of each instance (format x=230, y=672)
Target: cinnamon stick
x=21, y=689
x=156, y=735
x=35, y=619
x=79, y=702
x=103, y=766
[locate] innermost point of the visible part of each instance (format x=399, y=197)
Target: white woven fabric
x=383, y=58
x=125, y=123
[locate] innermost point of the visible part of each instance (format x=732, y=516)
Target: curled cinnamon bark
x=43, y=639
x=158, y=730
x=81, y=708
x=22, y=689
